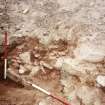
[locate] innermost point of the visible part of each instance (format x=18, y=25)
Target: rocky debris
x=85, y=95
x=80, y=25
x=46, y=65
x=13, y=75
x=101, y=80
x=22, y=70
x=35, y=65
x=75, y=66
x=16, y=65
x=54, y=69
x=26, y=11
x=34, y=70
x=28, y=66
x=25, y=57
x=90, y=53
x=32, y=53
x=89, y=95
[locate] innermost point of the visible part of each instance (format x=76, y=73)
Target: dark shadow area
x=7, y=84
x=1, y=68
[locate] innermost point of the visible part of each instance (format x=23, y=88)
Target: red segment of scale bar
x=62, y=100
x=5, y=45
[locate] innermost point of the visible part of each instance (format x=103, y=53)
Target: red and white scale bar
x=62, y=100
x=6, y=43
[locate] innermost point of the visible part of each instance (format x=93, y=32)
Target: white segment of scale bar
x=5, y=68
x=37, y=87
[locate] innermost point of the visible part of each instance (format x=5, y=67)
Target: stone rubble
x=70, y=40
x=89, y=53
x=101, y=80
x=22, y=70
x=34, y=70
x=72, y=76
x=89, y=95
x=25, y=57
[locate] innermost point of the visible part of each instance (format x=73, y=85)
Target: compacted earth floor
x=53, y=68
x=15, y=94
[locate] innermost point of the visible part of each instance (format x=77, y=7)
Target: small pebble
x=101, y=80
x=22, y=70
x=26, y=11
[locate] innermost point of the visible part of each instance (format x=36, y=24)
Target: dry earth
x=71, y=35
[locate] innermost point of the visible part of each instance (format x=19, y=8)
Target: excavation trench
x=28, y=60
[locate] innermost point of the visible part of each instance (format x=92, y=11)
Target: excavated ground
x=29, y=60
x=69, y=59
x=16, y=91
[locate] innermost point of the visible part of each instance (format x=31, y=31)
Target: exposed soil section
x=30, y=60
x=14, y=94
x=58, y=45
x=46, y=77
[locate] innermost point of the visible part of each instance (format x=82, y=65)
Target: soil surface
x=14, y=94
x=71, y=39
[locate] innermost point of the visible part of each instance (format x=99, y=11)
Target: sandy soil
x=13, y=94
x=82, y=24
